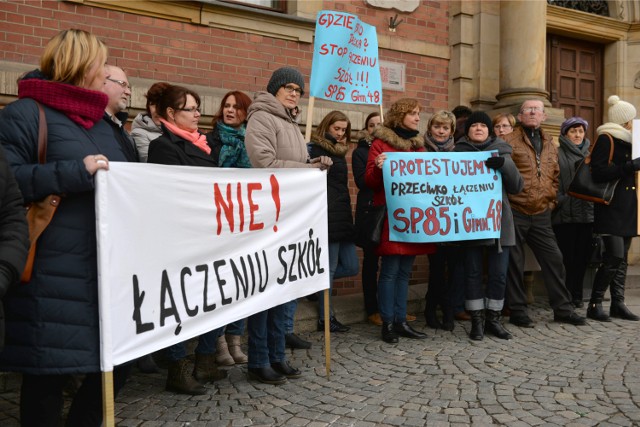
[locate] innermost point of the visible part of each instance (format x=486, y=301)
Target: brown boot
x=205, y=369
x=181, y=381
x=235, y=350
x=223, y=358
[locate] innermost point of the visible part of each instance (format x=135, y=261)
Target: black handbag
x=369, y=224
x=583, y=186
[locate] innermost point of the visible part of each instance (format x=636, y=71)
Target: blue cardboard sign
x=345, y=64
x=442, y=197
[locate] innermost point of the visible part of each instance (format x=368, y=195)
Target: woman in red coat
x=398, y=133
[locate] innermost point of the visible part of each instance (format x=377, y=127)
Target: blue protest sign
x=442, y=197
x=345, y=64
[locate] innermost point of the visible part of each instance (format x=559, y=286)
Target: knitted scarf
x=195, y=137
x=437, y=146
x=233, y=153
x=82, y=106
x=615, y=130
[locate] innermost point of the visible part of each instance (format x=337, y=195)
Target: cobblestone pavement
x=552, y=375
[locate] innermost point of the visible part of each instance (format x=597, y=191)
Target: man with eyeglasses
x=118, y=90
x=536, y=156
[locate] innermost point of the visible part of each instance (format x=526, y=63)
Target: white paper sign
x=635, y=140
x=185, y=250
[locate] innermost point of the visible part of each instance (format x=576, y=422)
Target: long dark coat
x=620, y=217
x=52, y=321
x=338, y=198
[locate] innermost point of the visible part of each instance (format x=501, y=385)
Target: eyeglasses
x=502, y=126
x=122, y=83
x=291, y=88
x=532, y=110
x=191, y=110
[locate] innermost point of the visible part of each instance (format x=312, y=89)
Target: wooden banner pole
x=307, y=131
x=327, y=323
x=107, y=399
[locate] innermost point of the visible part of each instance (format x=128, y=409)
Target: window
x=275, y=5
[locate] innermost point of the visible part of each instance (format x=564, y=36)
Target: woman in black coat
x=370, y=260
x=52, y=322
x=617, y=221
x=182, y=144
x=14, y=235
x=331, y=139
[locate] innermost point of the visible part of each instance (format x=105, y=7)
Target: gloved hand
x=632, y=165
x=494, y=162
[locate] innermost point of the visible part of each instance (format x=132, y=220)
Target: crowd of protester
x=51, y=322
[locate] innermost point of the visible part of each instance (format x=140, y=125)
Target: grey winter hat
x=283, y=76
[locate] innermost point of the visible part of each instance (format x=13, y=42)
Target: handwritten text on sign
x=211, y=246
x=345, y=60
x=442, y=197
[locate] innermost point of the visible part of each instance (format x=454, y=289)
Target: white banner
x=184, y=250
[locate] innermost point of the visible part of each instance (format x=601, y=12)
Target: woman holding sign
x=398, y=133
x=478, y=300
x=445, y=271
x=52, y=320
x=182, y=144
x=274, y=140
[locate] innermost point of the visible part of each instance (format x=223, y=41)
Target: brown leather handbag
x=40, y=213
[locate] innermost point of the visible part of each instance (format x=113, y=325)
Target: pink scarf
x=195, y=137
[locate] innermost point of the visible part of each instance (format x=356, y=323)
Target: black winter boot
x=604, y=277
x=430, y=308
x=493, y=325
x=477, y=325
x=618, y=308
x=389, y=335
x=447, y=317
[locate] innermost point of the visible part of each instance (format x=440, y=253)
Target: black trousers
x=574, y=241
x=370, y=262
x=41, y=399
x=536, y=231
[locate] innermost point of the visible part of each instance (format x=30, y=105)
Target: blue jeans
x=343, y=262
x=206, y=345
x=266, y=337
x=497, y=264
x=235, y=328
x=289, y=315
x=393, y=287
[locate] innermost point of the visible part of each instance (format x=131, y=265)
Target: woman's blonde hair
x=508, y=116
x=398, y=110
x=70, y=54
x=443, y=117
x=331, y=118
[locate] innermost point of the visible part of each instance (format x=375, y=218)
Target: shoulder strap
x=42, y=135
x=610, y=149
x=587, y=160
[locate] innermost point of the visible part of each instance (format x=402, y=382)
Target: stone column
x=523, y=33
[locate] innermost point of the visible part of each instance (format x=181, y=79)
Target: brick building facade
x=215, y=46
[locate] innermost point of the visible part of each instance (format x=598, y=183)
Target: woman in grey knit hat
x=273, y=140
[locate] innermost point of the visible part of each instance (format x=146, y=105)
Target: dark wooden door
x=574, y=79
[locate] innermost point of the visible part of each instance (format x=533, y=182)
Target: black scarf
x=405, y=133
